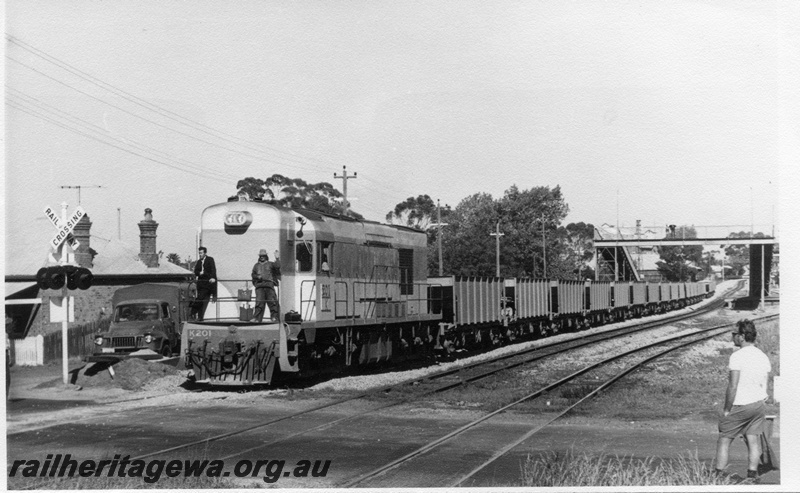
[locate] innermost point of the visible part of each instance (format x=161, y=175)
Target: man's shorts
x=744, y=420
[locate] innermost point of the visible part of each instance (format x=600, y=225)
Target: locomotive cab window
x=324, y=256
x=303, y=256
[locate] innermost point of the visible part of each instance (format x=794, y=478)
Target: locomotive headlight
x=98, y=340
x=148, y=338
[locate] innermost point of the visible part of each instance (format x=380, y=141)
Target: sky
x=667, y=112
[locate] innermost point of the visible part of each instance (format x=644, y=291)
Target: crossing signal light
x=50, y=277
x=81, y=279
x=56, y=276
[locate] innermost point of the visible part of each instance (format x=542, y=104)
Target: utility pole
x=751, y=212
x=439, y=225
x=761, y=304
x=119, y=223
x=79, y=189
x=498, y=234
x=344, y=179
x=544, y=252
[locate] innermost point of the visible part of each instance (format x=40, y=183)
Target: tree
x=470, y=250
x=174, y=258
x=738, y=256
x=295, y=192
x=679, y=263
x=415, y=213
x=577, y=240
x=530, y=220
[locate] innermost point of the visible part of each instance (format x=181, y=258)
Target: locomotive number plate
x=199, y=333
x=238, y=218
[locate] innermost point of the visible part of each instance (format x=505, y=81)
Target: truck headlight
x=98, y=340
x=149, y=338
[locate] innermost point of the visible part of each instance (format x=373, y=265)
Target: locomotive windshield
x=136, y=311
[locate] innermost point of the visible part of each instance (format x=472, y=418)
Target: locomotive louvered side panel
x=478, y=299
x=599, y=295
x=570, y=296
x=622, y=294
x=533, y=298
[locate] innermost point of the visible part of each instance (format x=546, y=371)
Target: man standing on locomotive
x=266, y=276
x=206, y=272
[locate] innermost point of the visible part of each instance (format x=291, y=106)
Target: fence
x=44, y=349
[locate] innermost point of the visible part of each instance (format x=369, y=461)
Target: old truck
x=146, y=322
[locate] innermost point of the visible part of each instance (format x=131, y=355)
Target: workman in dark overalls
x=266, y=276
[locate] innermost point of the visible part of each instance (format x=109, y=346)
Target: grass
x=569, y=469
x=688, y=382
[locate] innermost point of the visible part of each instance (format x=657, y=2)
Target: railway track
x=433, y=383
x=401, y=477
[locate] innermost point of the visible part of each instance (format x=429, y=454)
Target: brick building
x=114, y=264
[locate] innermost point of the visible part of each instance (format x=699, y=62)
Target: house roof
x=26, y=254
x=12, y=288
x=118, y=257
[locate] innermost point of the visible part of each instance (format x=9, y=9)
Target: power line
x=151, y=121
x=193, y=167
x=66, y=127
x=166, y=113
x=162, y=111
x=132, y=143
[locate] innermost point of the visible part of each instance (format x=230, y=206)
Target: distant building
x=114, y=264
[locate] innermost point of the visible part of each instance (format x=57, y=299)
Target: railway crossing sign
x=63, y=230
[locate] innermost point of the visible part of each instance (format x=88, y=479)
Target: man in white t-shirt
x=744, y=411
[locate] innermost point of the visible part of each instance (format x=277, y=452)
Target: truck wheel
x=166, y=351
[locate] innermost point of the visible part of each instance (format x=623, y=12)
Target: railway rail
x=458, y=376
x=519, y=358
x=695, y=337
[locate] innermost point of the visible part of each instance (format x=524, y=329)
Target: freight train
x=353, y=294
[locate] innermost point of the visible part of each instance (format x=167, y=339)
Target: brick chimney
x=147, y=239
x=81, y=233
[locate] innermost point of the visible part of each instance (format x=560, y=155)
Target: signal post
x=64, y=276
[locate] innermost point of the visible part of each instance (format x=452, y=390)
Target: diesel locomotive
x=356, y=293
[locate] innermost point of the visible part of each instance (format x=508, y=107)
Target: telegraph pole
x=544, y=252
x=344, y=179
x=761, y=303
x=79, y=189
x=439, y=225
x=498, y=234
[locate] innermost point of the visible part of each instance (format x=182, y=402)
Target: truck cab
x=146, y=323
